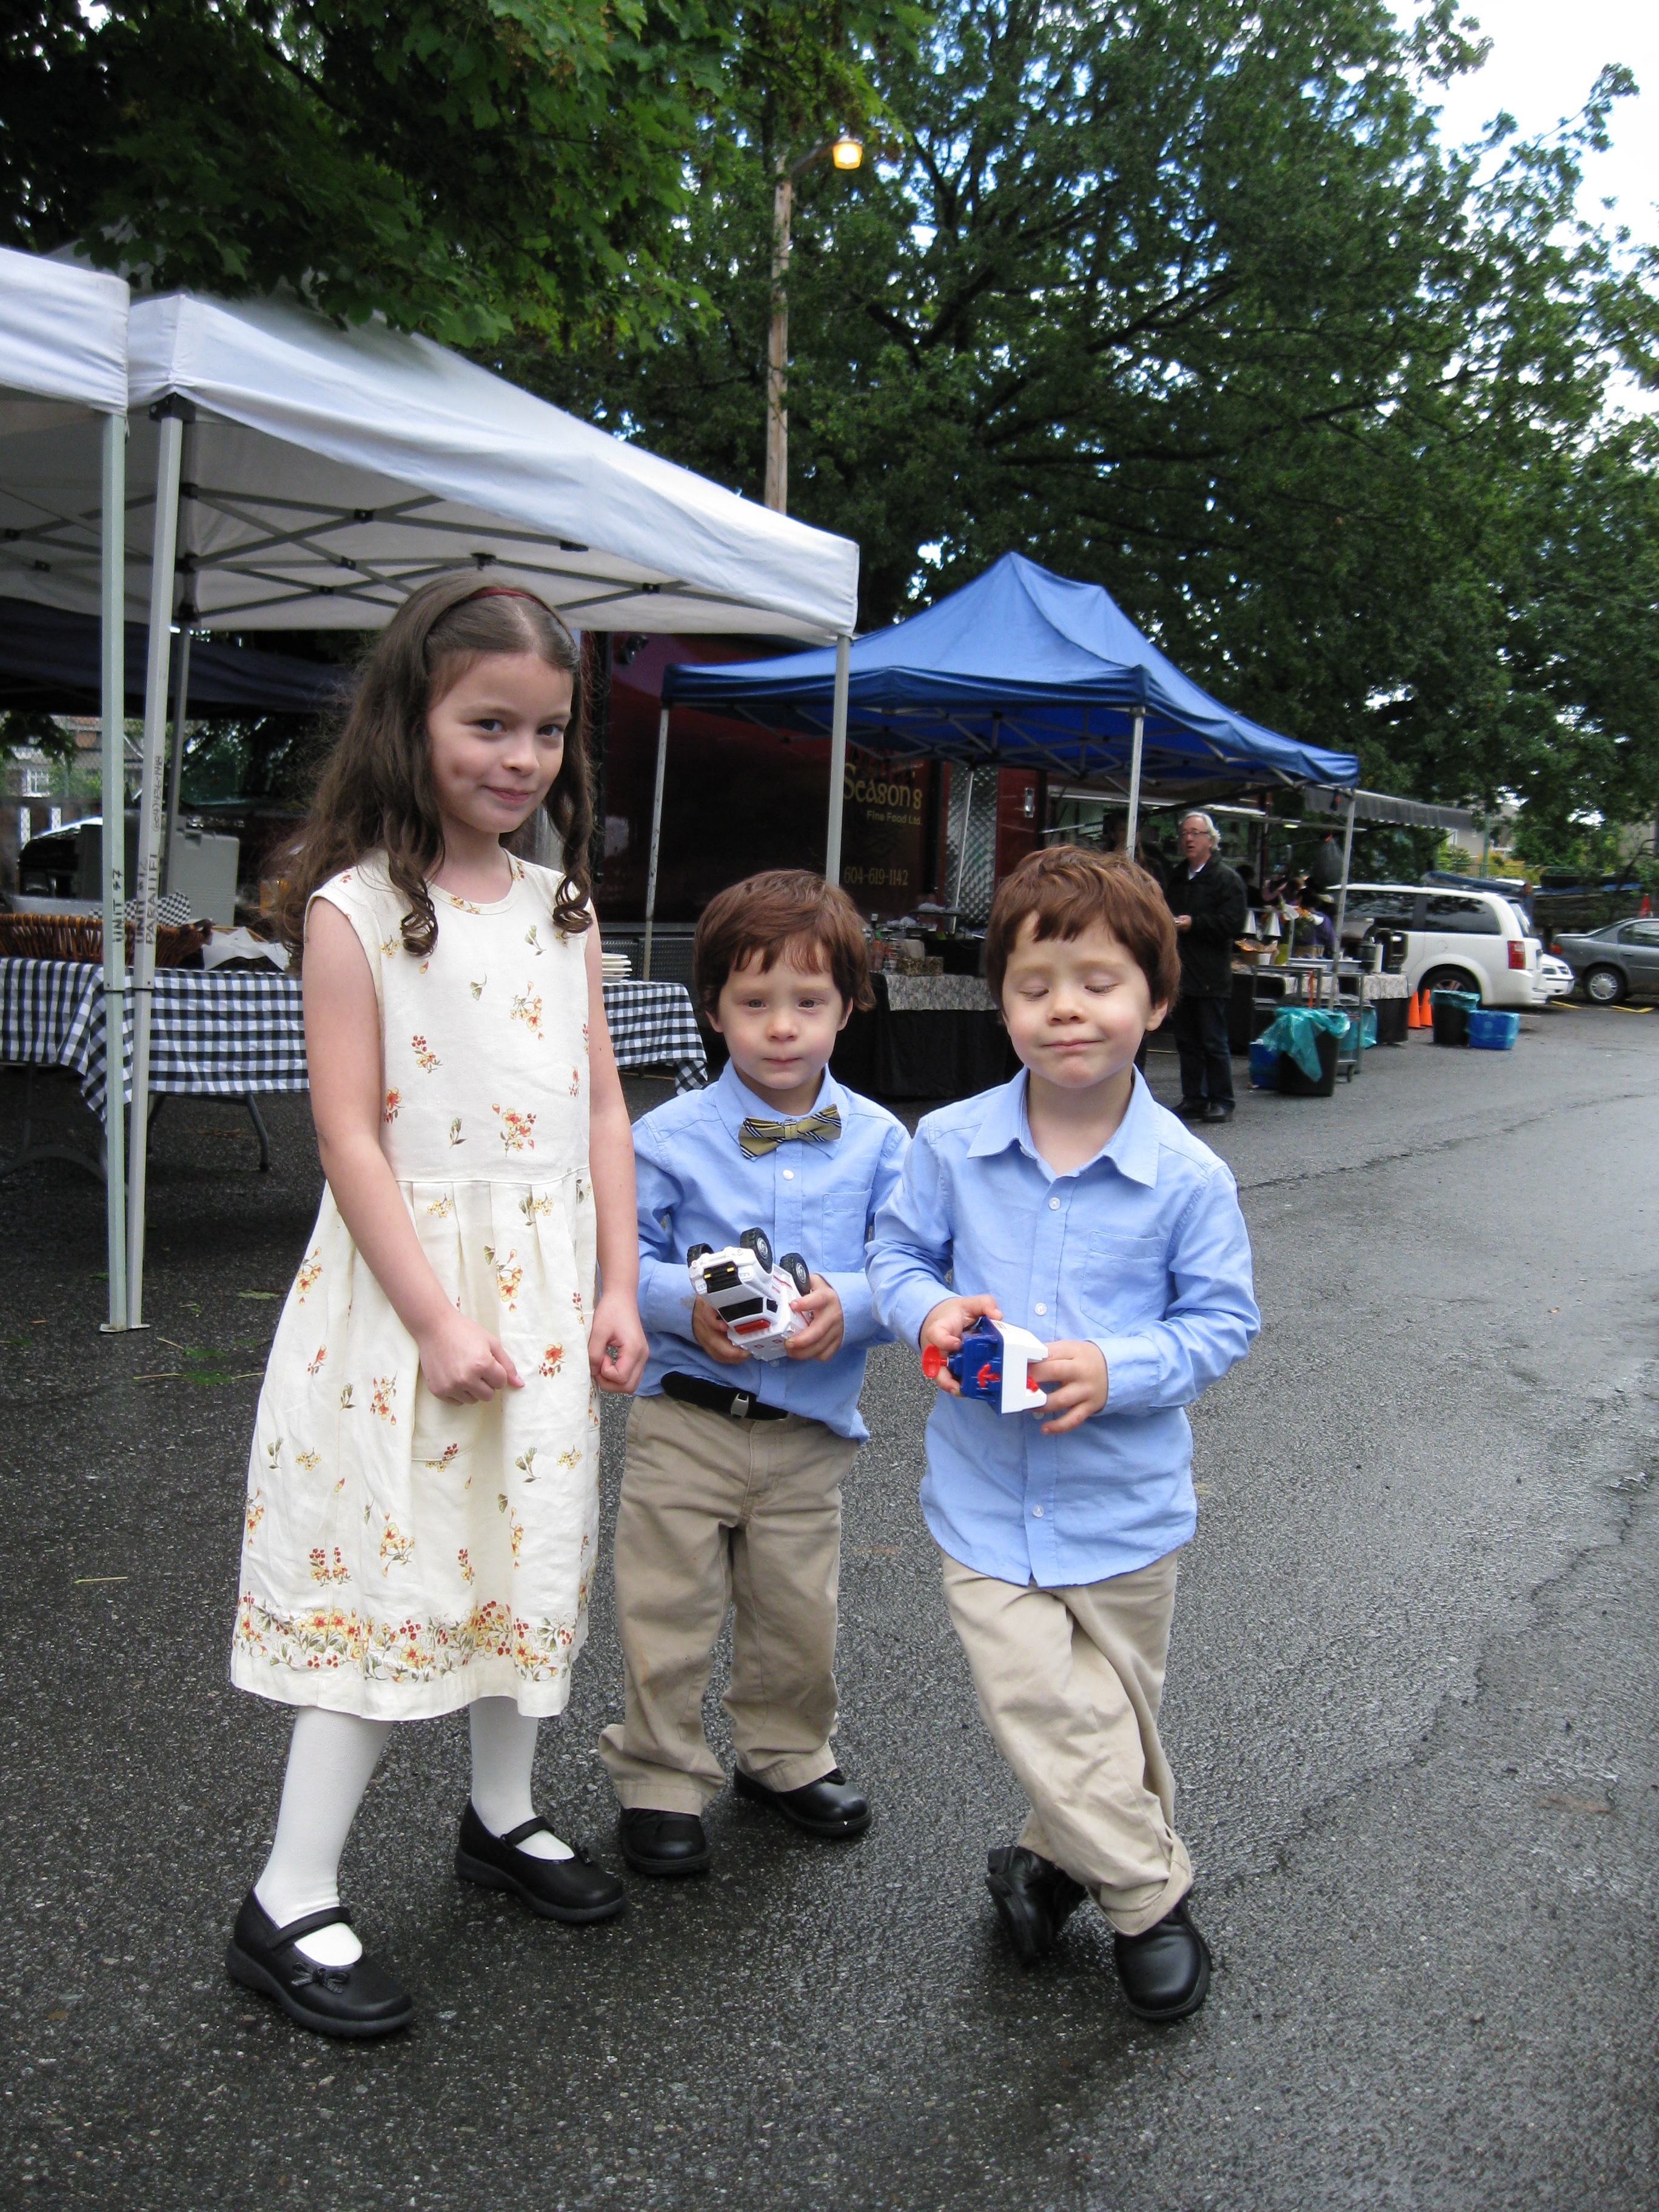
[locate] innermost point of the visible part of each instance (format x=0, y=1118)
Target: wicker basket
x=81, y=937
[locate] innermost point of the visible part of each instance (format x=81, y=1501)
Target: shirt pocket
x=1123, y=1285
x=841, y=1220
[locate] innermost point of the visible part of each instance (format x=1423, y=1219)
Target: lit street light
x=846, y=154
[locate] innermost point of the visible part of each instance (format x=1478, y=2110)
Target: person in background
x=1207, y=901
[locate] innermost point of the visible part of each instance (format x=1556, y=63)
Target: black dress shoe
x=1218, y=1109
x=359, y=2000
x=662, y=1843
x=1034, y=1898
x=1191, y=1109
x=829, y=1806
x=1165, y=1973
x=559, y=1889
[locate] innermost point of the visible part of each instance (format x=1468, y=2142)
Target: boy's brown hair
x=785, y=911
x=1066, y=889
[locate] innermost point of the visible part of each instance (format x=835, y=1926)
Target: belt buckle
x=741, y=1406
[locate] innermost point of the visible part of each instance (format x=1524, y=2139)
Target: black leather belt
x=737, y=1405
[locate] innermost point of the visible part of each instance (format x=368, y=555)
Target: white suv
x=1471, y=940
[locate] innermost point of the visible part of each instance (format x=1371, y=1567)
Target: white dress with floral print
x=402, y=1556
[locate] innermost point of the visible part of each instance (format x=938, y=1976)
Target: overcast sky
x=1546, y=56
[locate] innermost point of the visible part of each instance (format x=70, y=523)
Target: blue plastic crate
x=1264, y=1067
x=1492, y=1031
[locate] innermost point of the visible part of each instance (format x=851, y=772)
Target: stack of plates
x=616, y=967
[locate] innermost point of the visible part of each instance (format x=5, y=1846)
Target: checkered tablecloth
x=653, y=1025
x=224, y=1035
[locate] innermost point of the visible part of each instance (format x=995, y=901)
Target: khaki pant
x=1069, y=1683
x=717, y=1513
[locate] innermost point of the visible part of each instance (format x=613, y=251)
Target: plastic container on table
x=1490, y=1029
x=1264, y=1067
x=1450, y=1011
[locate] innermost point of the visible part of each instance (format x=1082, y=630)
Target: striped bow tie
x=757, y=1137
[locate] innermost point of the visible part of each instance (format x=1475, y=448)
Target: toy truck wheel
x=757, y=1242
x=697, y=1252
x=799, y=1272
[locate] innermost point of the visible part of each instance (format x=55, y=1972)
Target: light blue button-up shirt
x=696, y=1186
x=1144, y=1252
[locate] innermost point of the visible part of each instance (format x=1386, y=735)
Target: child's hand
x=709, y=1330
x=826, y=1325
x=1074, y=1376
x=944, y=1327
x=463, y=1364
x=616, y=1347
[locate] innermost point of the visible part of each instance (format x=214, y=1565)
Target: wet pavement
x=1411, y=1711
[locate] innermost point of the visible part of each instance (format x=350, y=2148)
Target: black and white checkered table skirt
x=225, y=1035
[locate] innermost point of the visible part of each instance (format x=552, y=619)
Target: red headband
x=500, y=592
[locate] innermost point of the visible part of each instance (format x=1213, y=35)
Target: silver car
x=1618, y=962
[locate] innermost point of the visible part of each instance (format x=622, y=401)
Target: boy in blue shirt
x=1070, y=1204
x=731, y=1485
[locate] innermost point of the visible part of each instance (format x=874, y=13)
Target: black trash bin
x=1450, y=1011
x=1293, y=1083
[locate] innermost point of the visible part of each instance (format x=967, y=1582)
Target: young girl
x=422, y=1503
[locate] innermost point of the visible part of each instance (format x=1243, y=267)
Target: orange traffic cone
x=1413, y=1013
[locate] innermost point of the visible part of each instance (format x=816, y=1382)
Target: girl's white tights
x=330, y=1761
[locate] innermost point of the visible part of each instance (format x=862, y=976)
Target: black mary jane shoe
x=1165, y=1973
x=1034, y=1898
x=658, y=1843
x=360, y=2000
x=572, y=1889
x=831, y=1807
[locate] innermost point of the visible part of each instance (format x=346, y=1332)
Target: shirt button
x=789, y=1175
x=1040, y=1309
x=1036, y=1512
x=1053, y=1206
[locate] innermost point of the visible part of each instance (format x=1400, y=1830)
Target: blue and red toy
x=995, y=1364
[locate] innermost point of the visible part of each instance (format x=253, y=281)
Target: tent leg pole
x=176, y=763
x=149, y=837
x=656, y=838
x=1132, y=821
x=114, y=704
x=837, y=761
x=1342, y=914
x=961, y=845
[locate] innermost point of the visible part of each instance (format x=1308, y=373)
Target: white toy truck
x=751, y=1296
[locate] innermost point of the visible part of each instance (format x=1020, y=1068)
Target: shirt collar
x=735, y=1103
x=1133, y=1150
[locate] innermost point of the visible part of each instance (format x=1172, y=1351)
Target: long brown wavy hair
x=376, y=790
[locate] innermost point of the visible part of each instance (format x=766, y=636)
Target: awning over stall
x=1021, y=668
x=298, y=476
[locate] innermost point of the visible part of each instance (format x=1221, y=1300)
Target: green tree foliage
x=1184, y=297
x=469, y=167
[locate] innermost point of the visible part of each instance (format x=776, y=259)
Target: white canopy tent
x=306, y=477
x=64, y=366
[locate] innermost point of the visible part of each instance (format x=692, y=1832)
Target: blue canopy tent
x=1020, y=668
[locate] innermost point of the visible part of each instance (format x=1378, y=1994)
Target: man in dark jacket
x=1207, y=901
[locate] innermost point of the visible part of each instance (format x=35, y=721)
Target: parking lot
x=1410, y=1711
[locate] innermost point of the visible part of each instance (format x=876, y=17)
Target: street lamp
x=846, y=153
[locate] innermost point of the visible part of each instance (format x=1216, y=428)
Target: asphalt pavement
x=1411, y=1711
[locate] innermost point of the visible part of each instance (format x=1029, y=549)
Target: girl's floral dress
x=402, y=1556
